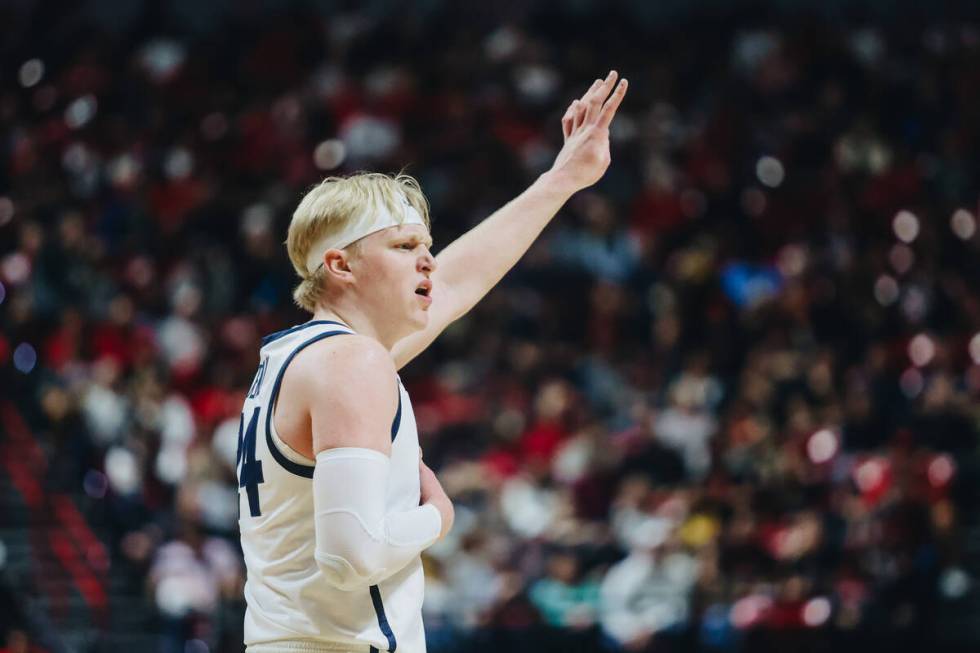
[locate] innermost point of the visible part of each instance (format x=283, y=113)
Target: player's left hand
x=431, y=491
x=585, y=156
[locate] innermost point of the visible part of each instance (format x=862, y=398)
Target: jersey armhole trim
x=272, y=337
x=397, y=422
x=306, y=471
x=287, y=450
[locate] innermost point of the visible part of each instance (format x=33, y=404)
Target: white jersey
x=289, y=600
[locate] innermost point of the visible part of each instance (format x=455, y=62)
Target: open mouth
x=424, y=289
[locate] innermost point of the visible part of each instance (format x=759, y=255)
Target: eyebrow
x=427, y=241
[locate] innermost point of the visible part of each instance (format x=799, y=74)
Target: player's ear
x=337, y=265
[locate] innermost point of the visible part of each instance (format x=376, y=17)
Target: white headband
x=369, y=222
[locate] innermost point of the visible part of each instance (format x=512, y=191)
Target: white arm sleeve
x=358, y=543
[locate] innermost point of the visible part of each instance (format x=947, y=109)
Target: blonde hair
x=329, y=205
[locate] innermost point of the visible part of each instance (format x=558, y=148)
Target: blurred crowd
x=728, y=401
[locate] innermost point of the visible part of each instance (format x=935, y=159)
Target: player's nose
x=427, y=262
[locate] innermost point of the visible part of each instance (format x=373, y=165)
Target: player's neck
x=358, y=321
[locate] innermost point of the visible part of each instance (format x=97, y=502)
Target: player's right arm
x=350, y=388
x=473, y=264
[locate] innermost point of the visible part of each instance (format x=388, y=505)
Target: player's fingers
x=591, y=96
x=612, y=104
x=568, y=119
x=600, y=87
x=570, y=110
x=589, y=91
x=599, y=95
x=579, y=118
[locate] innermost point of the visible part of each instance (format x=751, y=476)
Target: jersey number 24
x=250, y=469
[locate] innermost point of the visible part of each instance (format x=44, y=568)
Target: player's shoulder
x=348, y=387
x=333, y=362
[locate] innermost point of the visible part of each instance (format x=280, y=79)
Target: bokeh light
x=81, y=111
x=963, y=224
x=748, y=610
x=886, y=290
x=171, y=464
x=911, y=383
x=941, y=470
x=906, y=226
x=122, y=470
x=869, y=474
x=955, y=583
x=329, y=154
x=816, y=612
x=901, y=258
x=921, y=350
x=974, y=348
x=770, y=171
x=822, y=446
x=31, y=72
x=95, y=484
x=25, y=358
x=6, y=210
x=792, y=260
x=16, y=268
x=179, y=163
x=915, y=304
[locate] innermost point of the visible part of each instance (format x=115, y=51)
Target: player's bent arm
x=352, y=394
x=358, y=543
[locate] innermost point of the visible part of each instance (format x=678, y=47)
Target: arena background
x=728, y=402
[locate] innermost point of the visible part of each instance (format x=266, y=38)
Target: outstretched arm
x=473, y=264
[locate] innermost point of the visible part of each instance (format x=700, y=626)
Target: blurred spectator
x=565, y=598
x=189, y=577
x=648, y=591
x=727, y=402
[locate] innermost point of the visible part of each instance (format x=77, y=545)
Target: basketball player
x=336, y=503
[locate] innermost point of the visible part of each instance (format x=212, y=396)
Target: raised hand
x=585, y=156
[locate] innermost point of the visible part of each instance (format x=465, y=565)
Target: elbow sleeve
x=359, y=543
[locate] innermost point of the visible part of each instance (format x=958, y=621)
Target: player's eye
x=408, y=246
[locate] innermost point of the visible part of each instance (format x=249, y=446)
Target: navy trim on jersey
x=379, y=608
x=299, y=469
x=272, y=337
x=398, y=415
x=241, y=429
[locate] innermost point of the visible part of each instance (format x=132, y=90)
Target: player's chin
x=421, y=306
x=419, y=318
